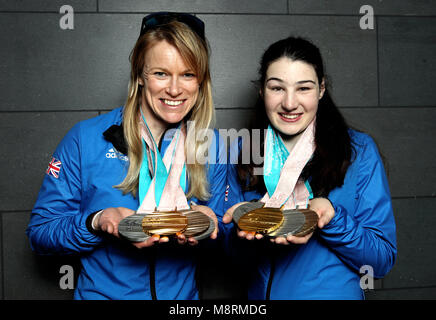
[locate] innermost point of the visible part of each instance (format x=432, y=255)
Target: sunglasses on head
x=161, y=18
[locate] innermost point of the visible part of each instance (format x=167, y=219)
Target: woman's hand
x=292, y=239
x=323, y=207
x=110, y=218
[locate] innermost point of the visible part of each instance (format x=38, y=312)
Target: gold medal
x=164, y=223
x=187, y=222
x=261, y=220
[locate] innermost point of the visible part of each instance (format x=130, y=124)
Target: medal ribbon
x=162, y=181
x=285, y=188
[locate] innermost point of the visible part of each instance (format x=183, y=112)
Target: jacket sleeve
x=58, y=220
x=367, y=235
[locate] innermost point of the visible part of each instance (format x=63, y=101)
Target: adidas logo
x=113, y=154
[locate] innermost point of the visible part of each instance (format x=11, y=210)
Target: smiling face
x=170, y=87
x=291, y=93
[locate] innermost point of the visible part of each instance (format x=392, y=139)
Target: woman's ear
x=142, y=78
x=321, y=89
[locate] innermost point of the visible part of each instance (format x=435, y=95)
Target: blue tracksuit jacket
x=112, y=268
x=362, y=233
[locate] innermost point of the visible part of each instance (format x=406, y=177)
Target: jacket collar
x=115, y=135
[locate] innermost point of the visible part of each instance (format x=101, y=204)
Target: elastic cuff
x=90, y=220
x=95, y=218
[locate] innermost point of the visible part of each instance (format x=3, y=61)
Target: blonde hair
x=194, y=51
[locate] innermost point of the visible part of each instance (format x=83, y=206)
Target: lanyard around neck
x=162, y=181
x=283, y=169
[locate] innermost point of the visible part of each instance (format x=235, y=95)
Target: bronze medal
x=297, y=222
x=310, y=223
x=198, y=223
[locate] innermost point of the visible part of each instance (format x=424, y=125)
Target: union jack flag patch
x=54, y=167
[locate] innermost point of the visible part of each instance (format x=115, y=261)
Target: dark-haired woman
x=343, y=177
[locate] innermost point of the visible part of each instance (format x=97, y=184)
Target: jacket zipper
x=153, y=277
x=270, y=279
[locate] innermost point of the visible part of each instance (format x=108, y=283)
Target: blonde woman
x=101, y=171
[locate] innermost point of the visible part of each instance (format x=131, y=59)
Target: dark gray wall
x=383, y=81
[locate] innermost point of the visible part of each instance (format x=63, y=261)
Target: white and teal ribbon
x=280, y=167
x=152, y=161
